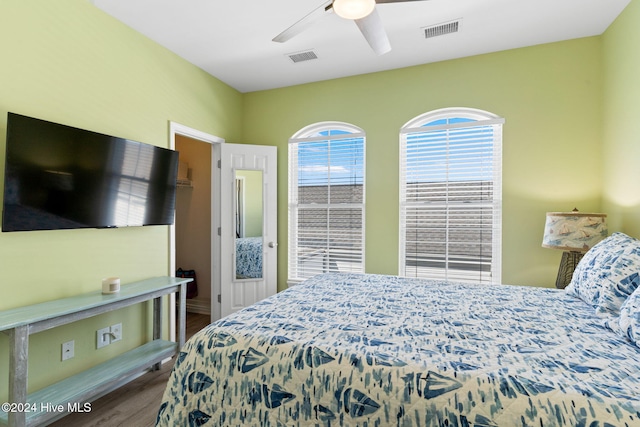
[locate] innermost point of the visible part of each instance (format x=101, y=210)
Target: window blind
x=326, y=203
x=450, y=199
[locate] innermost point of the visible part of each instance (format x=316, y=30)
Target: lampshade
x=574, y=231
x=353, y=9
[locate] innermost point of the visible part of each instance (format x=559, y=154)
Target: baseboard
x=199, y=306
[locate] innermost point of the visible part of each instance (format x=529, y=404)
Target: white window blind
x=326, y=200
x=450, y=196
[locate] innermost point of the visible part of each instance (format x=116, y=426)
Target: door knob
x=272, y=244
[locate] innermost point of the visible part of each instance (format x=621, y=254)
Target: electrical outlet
x=67, y=350
x=116, y=332
x=103, y=337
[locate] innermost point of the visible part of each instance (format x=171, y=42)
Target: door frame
x=215, y=141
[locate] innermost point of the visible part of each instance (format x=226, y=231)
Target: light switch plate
x=67, y=350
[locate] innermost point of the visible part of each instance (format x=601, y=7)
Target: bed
x=374, y=350
x=248, y=257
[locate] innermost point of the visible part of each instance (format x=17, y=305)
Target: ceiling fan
x=362, y=12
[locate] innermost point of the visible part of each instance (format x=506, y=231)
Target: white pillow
x=608, y=273
x=629, y=320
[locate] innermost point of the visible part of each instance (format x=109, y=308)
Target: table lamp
x=574, y=233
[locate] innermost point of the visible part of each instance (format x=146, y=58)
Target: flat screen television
x=61, y=177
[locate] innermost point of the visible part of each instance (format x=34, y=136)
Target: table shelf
x=71, y=393
x=98, y=380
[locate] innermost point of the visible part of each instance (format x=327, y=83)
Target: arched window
x=326, y=200
x=451, y=196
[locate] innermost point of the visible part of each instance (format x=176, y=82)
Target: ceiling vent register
x=302, y=56
x=441, y=29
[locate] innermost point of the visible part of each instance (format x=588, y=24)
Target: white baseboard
x=199, y=306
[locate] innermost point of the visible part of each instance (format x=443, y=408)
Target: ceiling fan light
x=353, y=9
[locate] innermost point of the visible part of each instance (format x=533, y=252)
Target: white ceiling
x=231, y=39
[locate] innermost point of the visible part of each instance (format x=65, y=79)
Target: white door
x=248, y=231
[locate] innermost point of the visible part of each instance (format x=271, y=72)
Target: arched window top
x=450, y=117
x=326, y=130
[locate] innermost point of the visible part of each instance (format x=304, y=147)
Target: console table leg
x=157, y=323
x=18, y=372
x=182, y=314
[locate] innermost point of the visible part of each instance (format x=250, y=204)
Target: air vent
x=442, y=29
x=302, y=56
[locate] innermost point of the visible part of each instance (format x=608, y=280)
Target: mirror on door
x=248, y=201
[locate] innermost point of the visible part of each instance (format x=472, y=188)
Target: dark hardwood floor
x=135, y=404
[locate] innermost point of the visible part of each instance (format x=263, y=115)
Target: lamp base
x=568, y=264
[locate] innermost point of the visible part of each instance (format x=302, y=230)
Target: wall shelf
x=19, y=323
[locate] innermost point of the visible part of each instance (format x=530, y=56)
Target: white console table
x=19, y=323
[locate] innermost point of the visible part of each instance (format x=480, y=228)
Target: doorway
x=193, y=244
x=193, y=219
x=219, y=171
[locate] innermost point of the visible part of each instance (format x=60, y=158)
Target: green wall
x=549, y=96
x=621, y=136
x=68, y=62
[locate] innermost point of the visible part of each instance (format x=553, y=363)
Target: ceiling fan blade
x=304, y=23
x=373, y=31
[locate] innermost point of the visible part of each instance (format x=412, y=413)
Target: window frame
x=310, y=134
x=478, y=118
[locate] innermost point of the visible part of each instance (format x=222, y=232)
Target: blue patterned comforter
x=370, y=350
x=248, y=257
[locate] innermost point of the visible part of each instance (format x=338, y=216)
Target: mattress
x=372, y=350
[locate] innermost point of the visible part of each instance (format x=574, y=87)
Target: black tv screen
x=61, y=177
